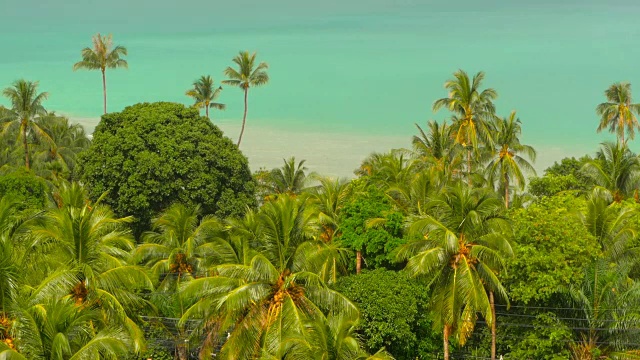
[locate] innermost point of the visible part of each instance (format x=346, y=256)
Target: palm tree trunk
x=358, y=261
x=104, y=90
x=493, y=325
x=506, y=192
x=469, y=167
x=25, y=144
x=206, y=111
x=446, y=342
x=244, y=117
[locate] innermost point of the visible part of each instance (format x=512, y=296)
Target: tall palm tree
x=461, y=247
x=618, y=113
x=26, y=106
x=204, y=95
x=246, y=76
x=615, y=168
x=271, y=299
x=509, y=164
x=102, y=56
x=473, y=111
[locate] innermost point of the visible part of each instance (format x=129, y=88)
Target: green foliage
x=546, y=339
x=550, y=185
x=569, y=166
x=28, y=190
x=551, y=248
x=393, y=311
x=565, y=175
x=368, y=223
x=152, y=155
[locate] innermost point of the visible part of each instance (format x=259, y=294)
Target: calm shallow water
x=357, y=69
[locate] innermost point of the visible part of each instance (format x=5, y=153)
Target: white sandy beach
x=333, y=153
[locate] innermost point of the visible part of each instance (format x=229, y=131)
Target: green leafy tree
x=247, y=75
x=26, y=107
x=544, y=260
x=461, y=247
x=152, y=155
x=509, y=164
x=268, y=301
x=204, y=95
x=28, y=190
x=618, y=113
x=394, y=313
x=371, y=227
x=102, y=56
x=473, y=111
x=550, y=185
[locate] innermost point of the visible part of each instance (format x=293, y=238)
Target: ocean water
x=347, y=77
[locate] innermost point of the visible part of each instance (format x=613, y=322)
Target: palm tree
x=615, y=168
x=92, y=249
x=182, y=247
x=248, y=75
x=204, y=95
x=461, y=247
x=272, y=298
x=330, y=338
x=411, y=197
x=385, y=170
x=26, y=106
x=58, y=329
x=437, y=148
x=508, y=163
x=618, y=113
x=473, y=111
x=613, y=226
x=102, y=56
x=330, y=197
x=11, y=275
x=58, y=156
x=605, y=299
x=290, y=179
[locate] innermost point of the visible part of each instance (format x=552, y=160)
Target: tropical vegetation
x=154, y=240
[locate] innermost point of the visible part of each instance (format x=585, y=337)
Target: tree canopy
x=154, y=154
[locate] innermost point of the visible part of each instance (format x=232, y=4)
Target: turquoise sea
x=347, y=77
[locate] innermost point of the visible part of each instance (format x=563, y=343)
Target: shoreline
x=334, y=153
